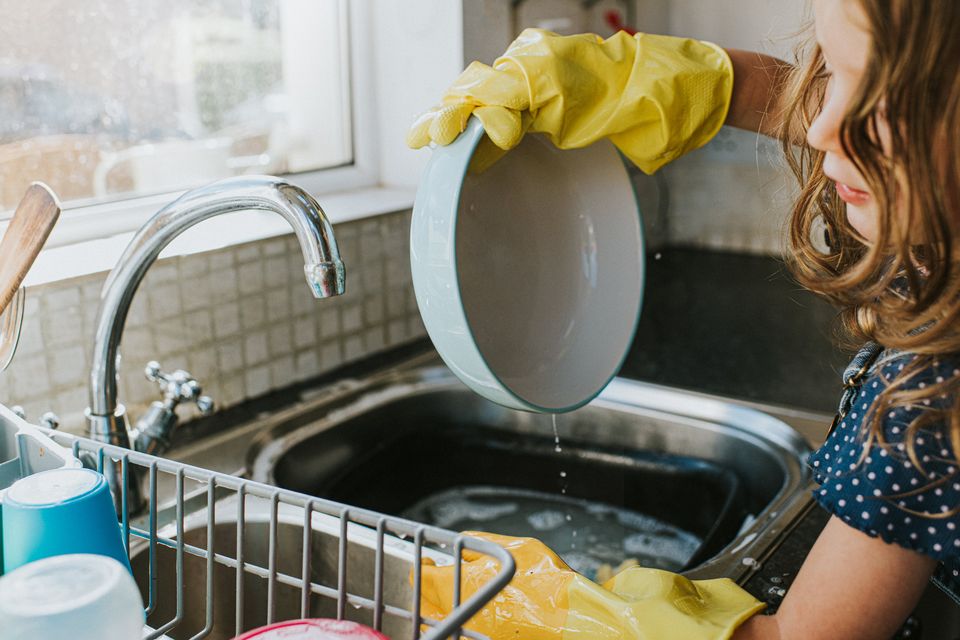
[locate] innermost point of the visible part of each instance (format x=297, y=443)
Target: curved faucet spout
x=322, y=267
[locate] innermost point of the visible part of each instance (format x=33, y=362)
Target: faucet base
x=111, y=429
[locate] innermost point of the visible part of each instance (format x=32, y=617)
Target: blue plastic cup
x=1, y=539
x=58, y=512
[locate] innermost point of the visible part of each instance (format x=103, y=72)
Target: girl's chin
x=864, y=220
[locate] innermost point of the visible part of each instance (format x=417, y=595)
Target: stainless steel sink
x=735, y=476
x=344, y=439
x=730, y=474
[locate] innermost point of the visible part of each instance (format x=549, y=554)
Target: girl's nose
x=824, y=131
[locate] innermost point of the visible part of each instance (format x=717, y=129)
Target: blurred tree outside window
x=112, y=99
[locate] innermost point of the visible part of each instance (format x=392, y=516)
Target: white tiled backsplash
x=734, y=194
x=241, y=320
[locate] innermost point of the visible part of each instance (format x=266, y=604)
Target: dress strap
x=852, y=377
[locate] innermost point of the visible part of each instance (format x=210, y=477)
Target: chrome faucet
x=322, y=267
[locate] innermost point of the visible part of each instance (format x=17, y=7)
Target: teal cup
x=57, y=512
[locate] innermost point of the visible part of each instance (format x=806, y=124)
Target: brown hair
x=903, y=289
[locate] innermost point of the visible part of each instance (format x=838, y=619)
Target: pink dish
x=315, y=629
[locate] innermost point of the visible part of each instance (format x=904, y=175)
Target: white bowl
x=529, y=276
x=71, y=597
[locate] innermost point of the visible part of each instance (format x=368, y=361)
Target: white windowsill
x=101, y=254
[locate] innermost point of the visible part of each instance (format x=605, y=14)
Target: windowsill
x=100, y=255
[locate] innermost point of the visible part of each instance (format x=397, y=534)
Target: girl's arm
x=758, y=82
x=851, y=586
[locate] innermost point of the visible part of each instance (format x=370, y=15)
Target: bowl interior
x=549, y=258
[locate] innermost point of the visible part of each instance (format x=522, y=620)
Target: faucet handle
x=152, y=432
x=206, y=405
x=179, y=386
x=50, y=420
x=153, y=372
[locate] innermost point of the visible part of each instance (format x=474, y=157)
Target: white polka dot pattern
x=881, y=491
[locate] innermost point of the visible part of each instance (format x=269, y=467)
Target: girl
x=879, y=102
x=870, y=122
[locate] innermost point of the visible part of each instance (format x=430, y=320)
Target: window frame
x=90, y=221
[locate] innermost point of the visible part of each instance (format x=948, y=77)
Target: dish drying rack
x=216, y=499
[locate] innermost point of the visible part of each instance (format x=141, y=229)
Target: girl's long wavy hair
x=903, y=289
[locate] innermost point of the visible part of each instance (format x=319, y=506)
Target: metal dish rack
x=217, y=498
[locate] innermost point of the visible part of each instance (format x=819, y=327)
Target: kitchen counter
x=735, y=325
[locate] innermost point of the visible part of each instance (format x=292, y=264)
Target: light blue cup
x=529, y=275
x=59, y=512
x=25, y=450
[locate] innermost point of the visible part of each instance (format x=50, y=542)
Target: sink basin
x=670, y=469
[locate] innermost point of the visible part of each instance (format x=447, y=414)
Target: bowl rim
x=468, y=141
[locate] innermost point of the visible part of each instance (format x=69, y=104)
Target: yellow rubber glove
x=655, y=97
x=547, y=600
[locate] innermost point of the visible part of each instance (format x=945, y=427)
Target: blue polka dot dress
x=877, y=488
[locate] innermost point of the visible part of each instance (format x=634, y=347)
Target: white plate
x=529, y=276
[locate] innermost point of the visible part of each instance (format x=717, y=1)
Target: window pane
x=105, y=99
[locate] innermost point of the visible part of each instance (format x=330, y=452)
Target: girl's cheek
x=864, y=219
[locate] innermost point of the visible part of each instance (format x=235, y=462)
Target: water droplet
x=563, y=474
x=657, y=255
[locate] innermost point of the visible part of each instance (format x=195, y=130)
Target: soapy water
x=546, y=520
x=587, y=535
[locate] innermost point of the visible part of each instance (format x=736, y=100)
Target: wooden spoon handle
x=28, y=230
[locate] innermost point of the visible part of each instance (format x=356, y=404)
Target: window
x=110, y=100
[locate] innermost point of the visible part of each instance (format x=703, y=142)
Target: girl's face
x=845, y=45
